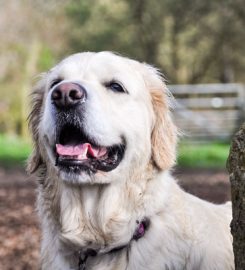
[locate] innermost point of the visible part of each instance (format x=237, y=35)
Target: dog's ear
x=164, y=133
x=35, y=159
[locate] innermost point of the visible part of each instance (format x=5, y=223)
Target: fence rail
x=209, y=111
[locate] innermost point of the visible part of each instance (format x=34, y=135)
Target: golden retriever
x=104, y=144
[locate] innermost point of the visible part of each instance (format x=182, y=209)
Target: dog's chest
x=78, y=222
x=87, y=220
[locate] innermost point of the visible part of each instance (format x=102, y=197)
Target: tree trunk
x=175, y=59
x=236, y=168
x=29, y=71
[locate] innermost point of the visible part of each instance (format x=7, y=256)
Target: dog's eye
x=54, y=82
x=116, y=87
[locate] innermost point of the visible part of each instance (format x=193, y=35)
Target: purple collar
x=139, y=233
x=141, y=229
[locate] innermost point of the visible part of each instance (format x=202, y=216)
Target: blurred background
x=198, y=46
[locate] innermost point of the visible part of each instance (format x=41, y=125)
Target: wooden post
x=236, y=168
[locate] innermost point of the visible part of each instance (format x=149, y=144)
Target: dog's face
x=98, y=117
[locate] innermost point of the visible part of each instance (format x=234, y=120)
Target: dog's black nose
x=68, y=94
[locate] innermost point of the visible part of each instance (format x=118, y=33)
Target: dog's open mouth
x=76, y=152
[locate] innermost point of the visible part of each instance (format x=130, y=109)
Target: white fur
x=81, y=212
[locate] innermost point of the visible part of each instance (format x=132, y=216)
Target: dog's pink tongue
x=80, y=150
x=72, y=150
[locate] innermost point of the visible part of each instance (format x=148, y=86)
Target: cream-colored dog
x=104, y=144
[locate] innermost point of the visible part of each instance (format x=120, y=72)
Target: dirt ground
x=19, y=228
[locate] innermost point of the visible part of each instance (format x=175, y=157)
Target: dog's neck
x=102, y=216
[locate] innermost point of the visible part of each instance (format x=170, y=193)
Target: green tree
x=29, y=45
x=191, y=41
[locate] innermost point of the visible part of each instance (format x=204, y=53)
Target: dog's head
x=97, y=117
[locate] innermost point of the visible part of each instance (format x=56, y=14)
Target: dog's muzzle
x=74, y=149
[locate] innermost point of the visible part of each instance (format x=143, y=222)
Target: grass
x=14, y=152
x=208, y=155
